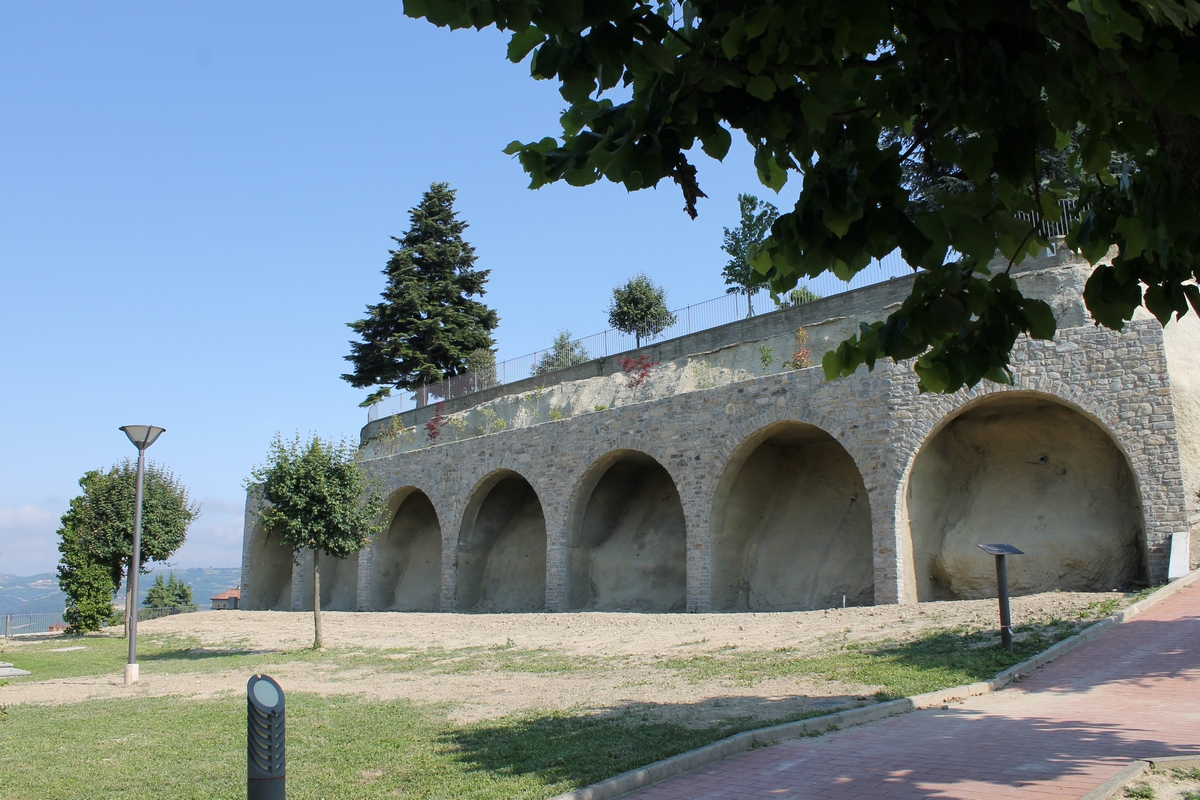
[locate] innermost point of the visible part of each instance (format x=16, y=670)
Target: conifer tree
x=427, y=324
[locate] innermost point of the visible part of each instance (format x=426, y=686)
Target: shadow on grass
x=569, y=750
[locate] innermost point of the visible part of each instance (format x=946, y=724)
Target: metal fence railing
x=26, y=624
x=1052, y=229
x=689, y=319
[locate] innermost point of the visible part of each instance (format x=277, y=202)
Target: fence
x=26, y=624
x=689, y=319
x=1051, y=229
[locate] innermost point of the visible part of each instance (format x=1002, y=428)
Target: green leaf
x=522, y=42
x=1153, y=78
x=716, y=144
x=761, y=87
x=1040, y=318
x=733, y=37
x=816, y=111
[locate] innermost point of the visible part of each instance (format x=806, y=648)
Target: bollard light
x=1000, y=551
x=266, y=761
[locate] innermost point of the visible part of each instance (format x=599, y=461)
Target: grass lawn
x=350, y=747
x=337, y=748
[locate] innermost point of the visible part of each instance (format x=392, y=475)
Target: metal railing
x=27, y=624
x=687, y=320
x=1049, y=228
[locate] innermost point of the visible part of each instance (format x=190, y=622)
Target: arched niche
x=270, y=573
x=791, y=525
x=1024, y=469
x=502, y=548
x=406, y=568
x=627, y=539
x=339, y=582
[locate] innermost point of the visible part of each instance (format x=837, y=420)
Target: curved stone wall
x=791, y=525
x=1027, y=470
x=406, y=558
x=502, y=551
x=626, y=551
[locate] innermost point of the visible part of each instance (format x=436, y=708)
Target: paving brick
x=1134, y=692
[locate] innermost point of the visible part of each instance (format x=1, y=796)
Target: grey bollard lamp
x=266, y=758
x=1000, y=551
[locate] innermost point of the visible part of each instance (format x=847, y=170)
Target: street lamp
x=142, y=437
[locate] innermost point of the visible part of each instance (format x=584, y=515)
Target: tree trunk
x=316, y=604
x=749, y=305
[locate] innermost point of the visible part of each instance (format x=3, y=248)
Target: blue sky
x=197, y=196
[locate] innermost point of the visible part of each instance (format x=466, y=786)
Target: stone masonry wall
x=1119, y=380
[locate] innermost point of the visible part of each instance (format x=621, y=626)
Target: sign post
x=1000, y=551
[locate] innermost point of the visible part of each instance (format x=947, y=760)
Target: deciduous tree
x=640, y=307
x=743, y=242
x=989, y=86
x=317, y=498
x=427, y=325
x=97, y=530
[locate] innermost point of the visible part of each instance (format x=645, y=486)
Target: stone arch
x=406, y=559
x=1029, y=468
x=626, y=537
x=501, y=549
x=790, y=524
x=271, y=566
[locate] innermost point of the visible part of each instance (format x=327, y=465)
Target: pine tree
x=741, y=244
x=426, y=325
x=563, y=353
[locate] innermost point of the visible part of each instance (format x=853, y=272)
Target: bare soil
x=614, y=653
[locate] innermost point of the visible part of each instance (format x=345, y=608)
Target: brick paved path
x=1134, y=692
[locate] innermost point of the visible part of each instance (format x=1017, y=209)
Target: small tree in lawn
x=97, y=533
x=743, y=242
x=640, y=307
x=427, y=324
x=563, y=353
x=317, y=498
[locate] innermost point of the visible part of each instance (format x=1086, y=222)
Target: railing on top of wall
x=689, y=319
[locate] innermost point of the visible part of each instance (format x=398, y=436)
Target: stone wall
x=484, y=491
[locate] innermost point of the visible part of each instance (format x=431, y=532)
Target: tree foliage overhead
x=316, y=497
x=640, y=307
x=988, y=86
x=96, y=535
x=427, y=325
x=743, y=242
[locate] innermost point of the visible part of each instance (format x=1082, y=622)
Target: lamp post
x=142, y=437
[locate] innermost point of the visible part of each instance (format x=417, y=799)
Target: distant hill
x=37, y=594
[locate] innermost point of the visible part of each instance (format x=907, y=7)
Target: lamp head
x=142, y=436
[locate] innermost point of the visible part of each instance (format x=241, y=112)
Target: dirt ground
x=618, y=650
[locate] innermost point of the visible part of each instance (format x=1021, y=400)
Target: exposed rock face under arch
x=629, y=552
x=271, y=568
x=793, y=531
x=339, y=582
x=502, y=554
x=407, y=562
x=1025, y=470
